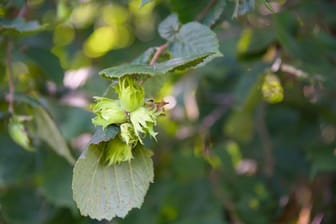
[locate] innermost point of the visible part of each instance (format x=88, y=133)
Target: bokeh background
x=248, y=138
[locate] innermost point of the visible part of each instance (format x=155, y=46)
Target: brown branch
x=10, y=96
x=266, y=141
x=205, y=10
x=163, y=47
x=158, y=51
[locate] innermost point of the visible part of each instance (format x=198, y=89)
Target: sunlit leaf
x=19, y=133
x=105, y=192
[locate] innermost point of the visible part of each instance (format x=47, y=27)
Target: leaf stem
x=10, y=96
x=158, y=51
x=205, y=10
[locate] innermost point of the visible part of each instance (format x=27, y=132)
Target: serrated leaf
x=47, y=131
x=144, y=2
x=195, y=39
x=182, y=64
x=105, y=192
x=48, y=63
x=104, y=135
x=19, y=27
x=128, y=69
x=214, y=13
x=169, y=27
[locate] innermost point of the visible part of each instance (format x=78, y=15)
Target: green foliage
x=105, y=192
x=248, y=137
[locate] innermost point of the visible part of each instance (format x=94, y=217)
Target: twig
x=158, y=51
x=163, y=47
x=293, y=71
x=23, y=11
x=10, y=96
x=266, y=141
x=205, y=10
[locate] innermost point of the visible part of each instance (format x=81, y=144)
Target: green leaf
x=268, y=5
x=128, y=69
x=242, y=7
x=195, y=39
x=23, y=205
x=47, y=62
x=214, y=13
x=144, y=2
x=104, y=135
x=145, y=57
x=105, y=192
x=169, y=27
x=15, y=164
x=55, y=180
x=19, y=133
x=47, y=130
x=181, y=64
x=19, y=27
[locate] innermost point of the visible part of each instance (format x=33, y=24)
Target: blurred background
x=248, y=138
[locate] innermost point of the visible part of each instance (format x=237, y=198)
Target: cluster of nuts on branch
x=135, y=116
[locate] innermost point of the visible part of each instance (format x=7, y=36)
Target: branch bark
x=10, y=95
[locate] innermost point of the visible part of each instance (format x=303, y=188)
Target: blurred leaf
x=144, y=2
x=19, y=133
x=47, y=130
x=19, y=27
x=240, y=126
x=23, y=206
x=195, y=39
x=55, y=180
x=104, y=192
x=153, y=85
x=214, y=13
x=268, y=5
x=145, y=57
x=15, y=164
x=188, y=10
x=47, y=62
x=242, y=7
x=322, y=160
x=104, y=135
x=169, y=27
x=248, y=89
